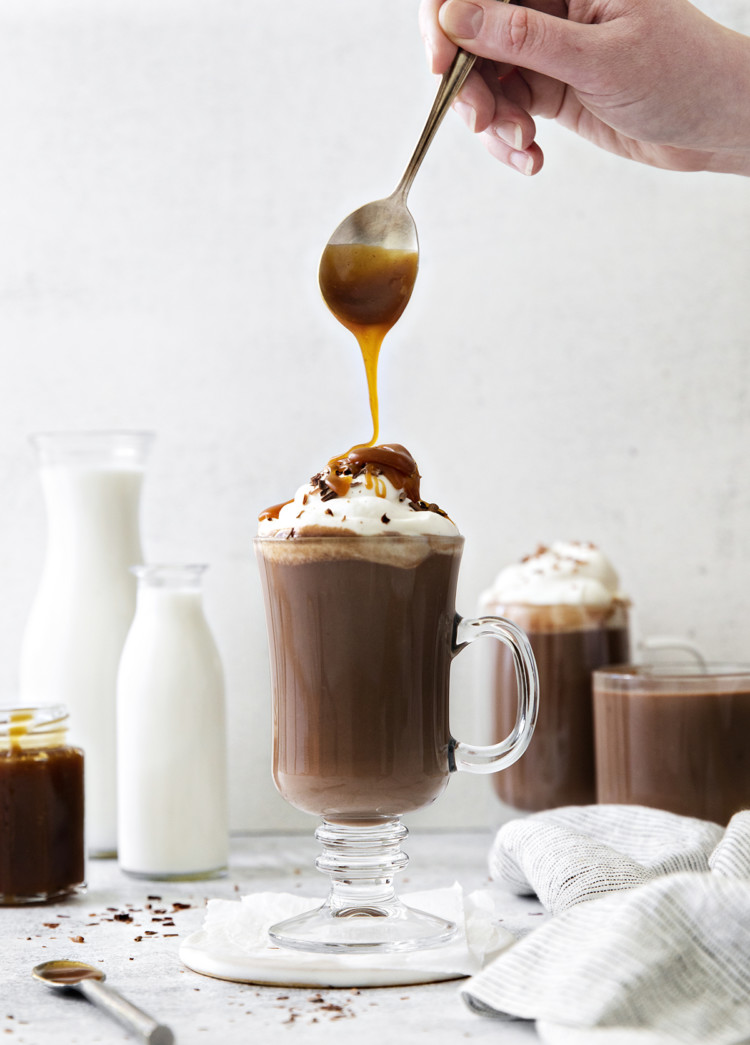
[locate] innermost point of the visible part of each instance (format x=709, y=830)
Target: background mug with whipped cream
x=566, y=598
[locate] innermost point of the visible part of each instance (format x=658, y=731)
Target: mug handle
x=674, y=642
x=490, y=758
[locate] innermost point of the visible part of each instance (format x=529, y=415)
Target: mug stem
x=363, y=914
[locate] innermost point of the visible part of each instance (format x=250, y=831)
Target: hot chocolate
x=674, y=738
x=566, y=598
x=361, y=632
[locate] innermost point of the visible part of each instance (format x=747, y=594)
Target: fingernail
x=522, y=162
x=460, y=18
x=467, y=114
x=510, y=133
x=430, y=55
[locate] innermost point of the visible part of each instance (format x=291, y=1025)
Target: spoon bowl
x=385, y=223
x=62, y=973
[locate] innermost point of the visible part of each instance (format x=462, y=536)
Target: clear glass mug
x=362, y=632
x=569, y=643
x=675, y=737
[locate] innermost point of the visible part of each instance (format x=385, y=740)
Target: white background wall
x=574, y=361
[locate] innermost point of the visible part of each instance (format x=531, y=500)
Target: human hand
x=659, y=83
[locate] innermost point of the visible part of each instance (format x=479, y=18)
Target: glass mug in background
x=674, y=737
x=362, y=632
x=568, y=642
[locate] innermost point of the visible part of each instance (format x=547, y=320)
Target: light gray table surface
x=123, y=925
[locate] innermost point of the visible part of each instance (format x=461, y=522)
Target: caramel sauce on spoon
x=367, y=287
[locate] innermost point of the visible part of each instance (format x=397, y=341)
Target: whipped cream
x=364, y=494
x=565, y=573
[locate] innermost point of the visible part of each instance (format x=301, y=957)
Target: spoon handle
x=127, y=1013
x=450, y=85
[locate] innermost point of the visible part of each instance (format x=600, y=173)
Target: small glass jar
x=41, y=806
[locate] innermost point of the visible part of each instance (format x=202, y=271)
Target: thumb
x=517, y=36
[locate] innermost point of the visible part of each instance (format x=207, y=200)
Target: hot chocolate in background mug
x=674, y=737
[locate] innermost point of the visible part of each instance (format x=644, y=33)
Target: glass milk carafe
x=91, y=482
x=171, y=733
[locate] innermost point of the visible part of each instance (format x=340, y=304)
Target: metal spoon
x=388, y=223
x=87, y=980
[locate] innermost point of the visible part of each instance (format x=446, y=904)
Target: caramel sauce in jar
x=41, y=807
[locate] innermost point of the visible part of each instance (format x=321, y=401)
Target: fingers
x=514, y=35
x=440, y=50
x=527, y=161
x=484, y=109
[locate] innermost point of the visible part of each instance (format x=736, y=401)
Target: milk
x=86, y=599
x=172, y=771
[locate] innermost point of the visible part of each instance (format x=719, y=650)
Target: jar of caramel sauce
x=41, y=806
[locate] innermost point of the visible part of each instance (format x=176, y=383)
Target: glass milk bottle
x=91, y=482
x=171, y=734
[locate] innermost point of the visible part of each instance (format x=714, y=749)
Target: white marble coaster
x=233, y=944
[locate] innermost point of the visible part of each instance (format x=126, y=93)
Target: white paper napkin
x=650, y=939
x=233, y=943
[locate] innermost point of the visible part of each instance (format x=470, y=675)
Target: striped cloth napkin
x=649, y=939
